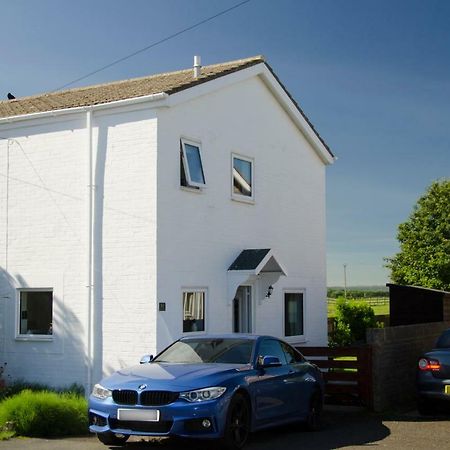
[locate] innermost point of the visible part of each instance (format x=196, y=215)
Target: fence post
x=365, y=379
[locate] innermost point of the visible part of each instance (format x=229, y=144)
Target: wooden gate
x=347, y=372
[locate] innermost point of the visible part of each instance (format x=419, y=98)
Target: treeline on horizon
x=356, y=293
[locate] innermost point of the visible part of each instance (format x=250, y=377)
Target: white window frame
x=32, y=337
x=195, y=290
x=187, y=172
x=239, y=197
x=297, y=337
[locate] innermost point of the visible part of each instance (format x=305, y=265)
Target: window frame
x=295, y=337
x=32, y=337
x=185, y=166
x=205, y=315
x=240, y=197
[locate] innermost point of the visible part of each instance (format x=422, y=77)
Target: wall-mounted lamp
x=269, y=291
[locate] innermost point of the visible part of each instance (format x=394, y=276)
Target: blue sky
x=373, y=77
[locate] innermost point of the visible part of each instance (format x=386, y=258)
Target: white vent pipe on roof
x=197, y=66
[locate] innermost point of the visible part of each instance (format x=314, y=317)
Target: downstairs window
x=35, y=312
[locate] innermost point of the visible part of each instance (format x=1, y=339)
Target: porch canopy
x=256, y=264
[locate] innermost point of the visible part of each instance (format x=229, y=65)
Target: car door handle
x=289, y=380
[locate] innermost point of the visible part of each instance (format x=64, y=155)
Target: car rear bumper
x=433, y=395
x=430, y=387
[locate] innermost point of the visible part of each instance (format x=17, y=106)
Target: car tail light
x=429, y=364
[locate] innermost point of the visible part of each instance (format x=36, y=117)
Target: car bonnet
x=172, y=377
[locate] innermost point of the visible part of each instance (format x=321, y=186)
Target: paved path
x=343, y=429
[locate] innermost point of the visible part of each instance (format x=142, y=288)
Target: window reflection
x=242, y=177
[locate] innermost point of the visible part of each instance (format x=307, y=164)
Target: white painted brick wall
x=148, y=248
x=45, y=246
x=200, y=234
x=47, y=243
x=126, y=227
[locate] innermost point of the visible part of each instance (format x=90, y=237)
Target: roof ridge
x=128, y=80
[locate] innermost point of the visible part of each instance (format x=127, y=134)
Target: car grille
x=143, y=427
x=157, y=398
x=147, y=398
x=125, y=397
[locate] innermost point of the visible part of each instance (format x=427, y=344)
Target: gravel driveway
x=343, y=429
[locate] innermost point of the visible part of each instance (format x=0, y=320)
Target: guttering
x=162, y=96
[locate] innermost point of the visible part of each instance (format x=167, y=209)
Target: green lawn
x=380, y=306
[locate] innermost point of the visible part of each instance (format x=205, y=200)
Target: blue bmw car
x=211, y=387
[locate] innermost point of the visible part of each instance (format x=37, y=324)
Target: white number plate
x=146, y=415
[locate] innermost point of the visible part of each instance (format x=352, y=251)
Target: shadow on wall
x=58, y=362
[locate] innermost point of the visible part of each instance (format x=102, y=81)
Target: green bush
x=351, y=322
x=44, y=414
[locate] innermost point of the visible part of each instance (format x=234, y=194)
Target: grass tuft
x=20, y=385
x=44, y=414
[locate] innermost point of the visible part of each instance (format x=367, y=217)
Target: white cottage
x=138, y=211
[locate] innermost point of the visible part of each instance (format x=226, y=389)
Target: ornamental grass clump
x=44, y=414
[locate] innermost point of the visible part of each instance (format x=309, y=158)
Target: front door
x=242, y=310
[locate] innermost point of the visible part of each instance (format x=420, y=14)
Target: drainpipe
x=7, y=207
x=90, y=259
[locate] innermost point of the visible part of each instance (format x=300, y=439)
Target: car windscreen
x=195, y=351
x=444, y=340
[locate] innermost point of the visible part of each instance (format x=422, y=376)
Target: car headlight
x=100, y=392
x=202, y=395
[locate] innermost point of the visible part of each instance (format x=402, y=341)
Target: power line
x=154, y=44
x=43, y=185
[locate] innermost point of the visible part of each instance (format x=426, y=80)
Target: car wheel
x=237, y=428
x=109, y=438
x=314, y=417
x=425, y=407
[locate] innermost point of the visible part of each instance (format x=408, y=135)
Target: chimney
x=197, y=66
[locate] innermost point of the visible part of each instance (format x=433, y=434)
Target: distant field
x=379, y=305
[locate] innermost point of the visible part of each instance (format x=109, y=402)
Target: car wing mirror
x=268, y=361
x=146, y=359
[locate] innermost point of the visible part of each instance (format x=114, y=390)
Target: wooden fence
x=372, y=301
x=347, y=372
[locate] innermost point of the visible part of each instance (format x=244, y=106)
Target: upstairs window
x=35, y=312
x=242, y=169
x=192, y=174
